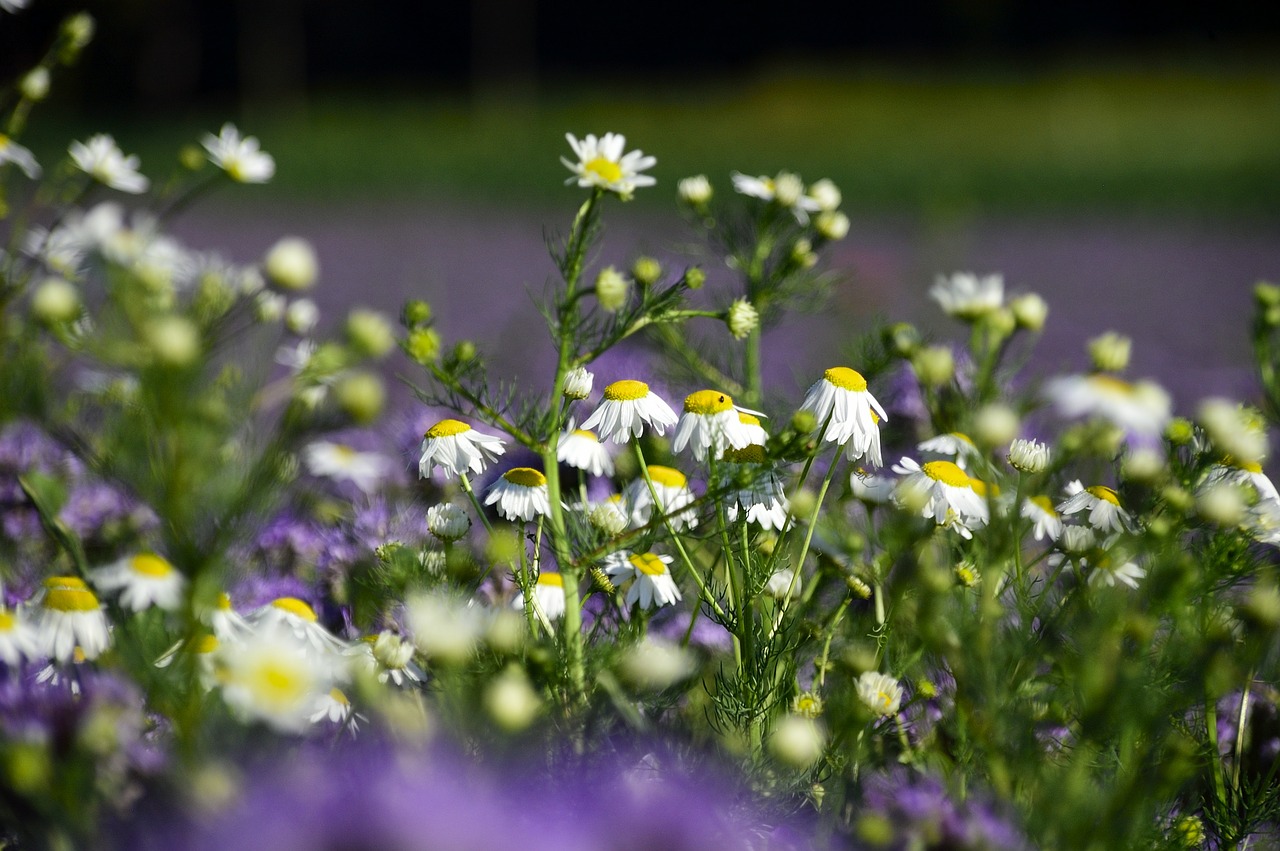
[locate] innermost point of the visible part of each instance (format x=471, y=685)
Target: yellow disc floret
x=447, y=428
x=1105, y=494
x=554, y=580
x=947, y=473
x=648, y=564
x=667, y=476
x=294, y=606
x=707, y=402
x=587, y=435
x=525, y=477
x=150, y=564
x=845, y=379
x=69, y=594
x=1112, y=384
x=608, y=170
x=746, y=455
x=7, y=621
x=626, y=390
x=1043, y=503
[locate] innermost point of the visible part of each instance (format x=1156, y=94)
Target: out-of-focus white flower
x=695, y=191
x=832, y=225
x=628, y=406
x=674, y=498
x=1077, y=540
x=602, y=163
x=786, y=189
x=445, y=628
x=1142, y=408
x=548, y=596
x=241, y=158
x=1040, y=511
x=297, y=618
x=652, y=585
x=840, y=399
x=12, y=152
x=1236, y=431
x=273, y=677
x=955, y=445
x=782, y=583
x=1029, y=310
x=881, y=693
x=763, y=499
x=870, y=488
x=18, y=637
x=1107, y=568
x=520, y=494
x=102, y=159
x=967, y=296
x=1105, y=512
x=301, y=316
x=13, y=6
x=825, y=194
x=292, y=263
x=656, y=664
x=797, y=741
x=457, y=448
x=69, y=616
x=511, y=701
x=143, y=580
x=582, y=450
x=340, y=462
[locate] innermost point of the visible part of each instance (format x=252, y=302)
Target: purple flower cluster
x=923, y=814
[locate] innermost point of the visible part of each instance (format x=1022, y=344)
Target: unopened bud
x=995, y=425
x=646, y=271
x=423, y=346
x=291, y=263
x=694, y=278
x=55, y=301
x=361, y=395
x=35, y=84
x=902, y=338
x=1110, y=351
x=695, y=191
x=1267, y=294
x=832, y=225
x=611, y=290
x=369, y=333
x=1030, y=311
x=511, y=701
x=414, y=313
x=742, y=319
x=577, y=383
x=301, y=316
x=174, y=340
x=934, y=365
x=1221, y=504
x=797, y=741
x=787, y=188
x=826, y=194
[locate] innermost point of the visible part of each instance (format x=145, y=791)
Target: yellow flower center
x=7, y=620
x=553, y=580
x=1106, y=494
x=753, y=454
x=1110, y=382
x=707, y=402
x=606, y=169
x=586, y=435
x=1043, y=503
x=150, y=564
x=667, y=476
x=224, y=602
x=980, y=487
x=525, y=477
x=4, y=141
x=845, y=379
x=205, y=644
x=294, y=606
x=886, y=699
x=648, y=564
x=947, y=473
x=626, y=390
x=959, y=435
x=447, y=428
x=339, y=696
x=69, y=594
x=277, y=684
x=748, y=419
x=345, y=453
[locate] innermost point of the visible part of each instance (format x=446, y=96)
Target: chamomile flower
x=1250, y=474
x=227, y=624
x=1029, y=456
x=628, y=406
x=447, y=521
x=1142, y=408
x=1111, y=569
x=335, y=707
x=70, y=617
x=1040, y=511
x=602, y=163
x=390, y=657
x=143, y=579
x=1105, y=511
x=18, y=637
x=340, y=462
x=756, y=435
x=548, y=596
x=577, y=383
x=941, y=489
x=582, y=450
x=841, y=400
x=880, y=693
x=710, y=422
x=763, y=499
x=967, y=296
x=12, y=152
x=457, y=448
x=520, y=494
x=652, y=585
x=203, y=648
x=241, y=158
x=786, y=189
x=298, y=619
x=610, y=516
x=272, y=677
x=674, y=498
x=956, y=445
x=102, y=159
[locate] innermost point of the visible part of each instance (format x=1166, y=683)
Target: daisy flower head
x=227, y=624
x=241, y=158
x=1237, y=473
x=674, y=498
x=70, y=618
x=582, y=450
x=602, y=163
x=1105, y=512
x=577, y=383
x=1040, y=511
x=548, y=596
x=392, y=658
x=756, y=435
x=763, y=498
x=102, y=159
x=520, y=494
x=456, y=448
x=340, y=462
x=652, y=585
x=1111, y=569
x=1142, y=408
x=786, y=189
x=296, y=618
x=143, y=580
x=628, y=406
x=17, y=637
x=447, y=521
x=710, y=422
x=271, y=677
x=12, y=152
x=956, y=445
x=880, y=693
x=968, y=297
x=942, y=490
x=840, y=399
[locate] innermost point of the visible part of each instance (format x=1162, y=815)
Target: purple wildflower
x=922, y=813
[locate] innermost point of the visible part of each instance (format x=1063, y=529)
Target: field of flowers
x=922, y=600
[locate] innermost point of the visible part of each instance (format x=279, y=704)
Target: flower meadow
x=922, y=600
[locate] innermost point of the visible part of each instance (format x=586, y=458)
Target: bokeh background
x=1122, y=159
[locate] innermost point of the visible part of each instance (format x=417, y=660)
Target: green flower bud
x=646, y=271
x=1030, y=311
x=1110, y=352
x=423, y=346
x=361, y=396
x=1180, y=431
x=742, y=319
x=174, y=341
x=694, y=278
x=934, y=365
x=611, y=290
x=832, y=225
x=369, y=333
x=291, y=263
x=55, y=301
x=1266, y=294
x=414, y=313
x=35, y=84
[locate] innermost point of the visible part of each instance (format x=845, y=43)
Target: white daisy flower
x=1105, y=511
x=625, y=410
x=582, y=450
x=143, y=579
x=1029, y=456
x=652, y=585
x=1142, y=408
x=881, y=693
x=335, y=707
x=18, y=637
x=340, y=462
x=956, y=444
x=786, y=189
x=298, y=619
x=241, y=159
x=1241, y=474
x=871, y=488
x=447, y=521
x=710, y=422
x=520, y=493
x=457, y=448
x=941, y=489
x=445, y=628
x=967, y=296
x=1107, y=569
x=548, y=596
x=601, y=162
x=756, y=435
x=274, y=678
x=12, y=152
x=227, y=624
x=763, y=499
x=610, y=516
x=577, y=383
x=1039, y=510
x=102, y=159
x=782, y=583
x=841, y=400
x=674, y=498
x=70, y=618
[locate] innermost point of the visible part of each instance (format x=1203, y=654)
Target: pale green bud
x=832, y=225
x=301, y=316
x=934, y=365
x=35, y=84
x=802, y=254
x=192, y=157
x=695, y=191
x=1030, y=311
x=826, y=194
x=414, y=313
x=902, y=338
x=78, y=31
x=797, y=741
x=361, y=396
x=655, y=664
x=1000, y=321
x=55, y=301
x=1110, y=351
x=742, y=318
x=291, y=263
x=694, y=278
x=369, y=333
x=787, y=188
x=611, y=290
x=995, y=425
x=1143, y=465
x=646, y=271
x=174, y=340
x=510, y=701
x=1267, y=294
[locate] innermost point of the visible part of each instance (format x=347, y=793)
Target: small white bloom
x=628, y=406
x=447, y=521
x=18, y=637
x=1077, y=540
x=457, y=448
x=674, y=498
x=756, y=435
x=710, y=422
x=956, y=445
x=1246, y=474
x=13, y=6
x=841, y=400
x=272, y=677
x=786, y=189
x=241, y=159
x=68, y=617
x=292, y=264
x=652, y=585
x=12, y=152
x=1236, y=431
x=1105, y=512
x=227, y=624
x=301, y=316
x=577, y=383
x=881, y=693
x=102, y=159
x=143, y=580
x=655, y=664
x=602, y=163
x=445, y=628
x=582, y=450
x=548, y=596
x=825, y=194
x=297, y=618
x=1142, y=408
x=1029, y=456
x=782, y=583
x=520, y=494
x=943, y=490
x=797, y=740
x=1107, y=569
x=392, y=657
x=335, y=707
x=967, y=296
x=340, y=462
x=1039, y=510
x=695, y=191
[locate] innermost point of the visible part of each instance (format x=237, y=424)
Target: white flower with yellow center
x=602, y=163
x=17, y=637
x=940, y=488
x=756, y=435
x=786, y=189
x=967, y=296
x=241, y=158
x=582, y=450
x=1142, y=408
x=652, y=585
x=881, y=693
x=335, y=707
x=1105, y=512
x=548, y=596
x=956, y=444
x=610, y=516
x=710, y=422
x=102, y=159
x=1111, y=569
x=577, y=383
x=227, y=624
x=520, y=493
x=841, y=401
x=12, y=152
x=457, y=448
x=70, y=618
x=297, y=618
x=628, y=406
x=1234, y=473
x=1039, y=510
x=388, y=657
x=340, y=462
x=763, y=499
x=674, y=498
x=273, y=678
x=143, y=580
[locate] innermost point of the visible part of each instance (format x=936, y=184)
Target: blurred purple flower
x=923, y=814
